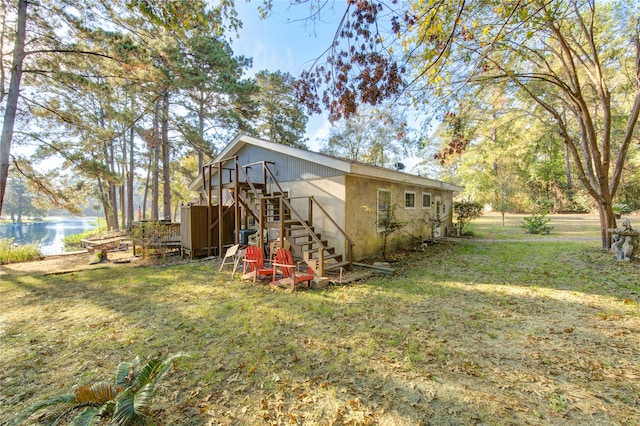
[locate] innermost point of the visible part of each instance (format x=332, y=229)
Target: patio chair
x=232, y=256
x=290, y=276
x=254, y=264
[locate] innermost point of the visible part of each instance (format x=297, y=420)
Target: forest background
x=524, y=104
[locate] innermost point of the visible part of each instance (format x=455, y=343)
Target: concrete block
x=319, y=283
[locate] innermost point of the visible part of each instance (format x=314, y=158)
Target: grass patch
x=575, y=226
x=468, y=333
x=10, y=253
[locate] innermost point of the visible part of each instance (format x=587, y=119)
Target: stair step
x=311, y=243
x=334, y=256
x=335, y=267
x=328, y=252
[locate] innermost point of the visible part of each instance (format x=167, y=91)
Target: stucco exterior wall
x=361, y=214
x=331, y=195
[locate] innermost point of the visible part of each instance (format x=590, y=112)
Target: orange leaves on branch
x=458, y=142
x=363, y=72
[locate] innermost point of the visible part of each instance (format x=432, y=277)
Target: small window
x=426, y=200
x=384, y=209
x=409, y=200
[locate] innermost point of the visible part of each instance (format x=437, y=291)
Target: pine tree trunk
x=156, y=159
x=146, y=186
x=166, y=167
x=130, y=210
x=12, y=98
x=113, y=193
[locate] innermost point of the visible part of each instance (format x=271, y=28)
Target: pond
x=48, y=234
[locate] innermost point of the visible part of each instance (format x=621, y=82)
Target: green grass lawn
x=571, y=226
x=474, y=332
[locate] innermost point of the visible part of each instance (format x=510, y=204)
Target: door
x=437, y=223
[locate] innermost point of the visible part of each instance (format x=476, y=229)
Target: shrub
x=72, y=242
x=620, y=209
x=466, y=211
x=125, y=400
x=536, y=223
x=11, y=253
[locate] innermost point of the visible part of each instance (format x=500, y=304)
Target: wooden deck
x=102, y=244
x=152, y=235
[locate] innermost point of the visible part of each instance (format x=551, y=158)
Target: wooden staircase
x=274, y=209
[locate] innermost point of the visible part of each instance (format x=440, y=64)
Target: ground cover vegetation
x=536, y=331
x=12, y=253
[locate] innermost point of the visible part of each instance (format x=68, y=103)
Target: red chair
x=254, y=262
x=284, y=262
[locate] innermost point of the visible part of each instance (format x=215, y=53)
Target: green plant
x=72, y=242
x=466, y=211
x=12, y=253
x=621, y=208
x=536, y=223
x=125, y=401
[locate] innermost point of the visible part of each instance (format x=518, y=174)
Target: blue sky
x=285, y=41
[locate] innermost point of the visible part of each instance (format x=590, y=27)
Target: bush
x=466, y=211
x=125, y=400
x=72, y=242
x=620, y=209
x=536, y=223
x=11, y=253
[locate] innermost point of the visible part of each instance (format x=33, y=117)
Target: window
x=384, y=209
x=409, y=200
x=426, y=200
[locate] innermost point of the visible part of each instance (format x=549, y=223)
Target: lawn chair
x=233, y=256
x=290, y=276
x=254, y=264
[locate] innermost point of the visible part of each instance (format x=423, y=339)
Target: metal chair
x=233, y=256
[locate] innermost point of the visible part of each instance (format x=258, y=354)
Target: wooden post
x=220, y=210
x=209, y=212
x=281, y=199
x=237, y=199
x=261, y=223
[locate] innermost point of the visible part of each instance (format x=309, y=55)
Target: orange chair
x=284, y=262
x=254, y=262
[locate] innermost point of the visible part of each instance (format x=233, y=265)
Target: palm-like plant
x=125, y=400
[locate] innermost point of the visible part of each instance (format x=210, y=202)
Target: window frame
x=380, y=228
x=414, y=200
x=428, y=206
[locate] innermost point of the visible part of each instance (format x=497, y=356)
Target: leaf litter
x=437, y=344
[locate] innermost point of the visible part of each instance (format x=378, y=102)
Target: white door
x=437, y=227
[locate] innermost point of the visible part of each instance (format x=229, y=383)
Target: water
x=47, y=235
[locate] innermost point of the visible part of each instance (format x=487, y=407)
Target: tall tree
x=578, y=60
x=280, y=117
x=11, y=107
x=370, y=136
x=213, y=94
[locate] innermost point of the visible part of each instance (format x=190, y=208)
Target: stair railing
x=284, y=202
x=348, y=241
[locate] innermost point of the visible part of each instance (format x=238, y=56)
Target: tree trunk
x=166, y=167
x=567, y=171
x=12, y=98
x=155, y=195
x=130, y=176
x=113, y=193
x=607, y=221
x=146, y=186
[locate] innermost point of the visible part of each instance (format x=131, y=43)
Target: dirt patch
x=78, y=261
